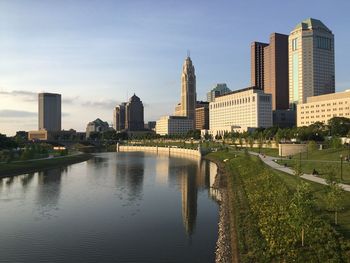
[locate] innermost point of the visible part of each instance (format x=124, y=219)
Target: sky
x=98, y=53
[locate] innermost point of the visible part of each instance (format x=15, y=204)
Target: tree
x=339, y=126
x=334, y=197
x=301, y=208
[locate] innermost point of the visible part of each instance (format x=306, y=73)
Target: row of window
x=323, y=105
x=232, y=102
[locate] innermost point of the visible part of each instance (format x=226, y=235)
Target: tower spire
x=188, y=53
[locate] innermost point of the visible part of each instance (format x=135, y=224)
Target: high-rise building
x=187, y=106
x=311, y=61
x=202, y=115
x=269, y=69
x=257, y=64
x=50, y=111
x=219, y=89
x=276, y=71
x=134, y=120
x=119, y=117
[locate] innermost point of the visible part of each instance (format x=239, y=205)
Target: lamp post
x=300, y=162
x=341, y=167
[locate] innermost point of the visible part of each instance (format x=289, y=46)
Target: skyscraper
x=119, y=117
x=269, y=69
x=218, y=89
x=50, y=111
x=188, y=90
x=276, y=71
x=134, y=120
x=311, y=61
x=257, y=64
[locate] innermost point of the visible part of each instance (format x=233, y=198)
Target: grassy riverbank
x=17, y=168
x=267, y=227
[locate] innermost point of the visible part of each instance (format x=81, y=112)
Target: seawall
x=171, y=151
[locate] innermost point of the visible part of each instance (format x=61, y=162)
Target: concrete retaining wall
x=286, y=149
x=159, y=150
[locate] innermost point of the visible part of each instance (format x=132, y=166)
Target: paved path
x=270, y=162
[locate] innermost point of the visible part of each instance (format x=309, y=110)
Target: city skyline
x=99, y=55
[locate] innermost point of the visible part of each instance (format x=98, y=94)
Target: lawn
x=246, y=174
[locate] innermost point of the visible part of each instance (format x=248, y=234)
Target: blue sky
x=97, y=53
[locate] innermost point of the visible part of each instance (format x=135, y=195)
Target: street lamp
x=300, y=162
x=341, y=167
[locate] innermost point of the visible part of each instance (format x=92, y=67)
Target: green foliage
x=339, y=126
x=7, y=143
x=334, y=199
x=273, y=220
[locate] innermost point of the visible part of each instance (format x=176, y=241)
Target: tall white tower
x=188, y=90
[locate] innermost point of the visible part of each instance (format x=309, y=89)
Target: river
x=115, y=207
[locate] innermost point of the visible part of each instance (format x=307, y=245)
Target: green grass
x=267, y=151
x=248, y=235
x=325, y=154
x=322, y=167
x=16, y=168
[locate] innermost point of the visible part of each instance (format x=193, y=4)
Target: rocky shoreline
x=226, y=250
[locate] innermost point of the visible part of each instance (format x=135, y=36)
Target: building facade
x=240, y=110
x=269, y=69
x=219, y=89
x=187, y=105
x=276, y=71
x=50, y=111
x=324, y=107
x=134, y=114
x=202, y=115
x=173, y=125
x=311, y=61
x=96, y=126
x=257, y=64
x=119, y=117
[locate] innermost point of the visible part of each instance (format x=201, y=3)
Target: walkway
x=270, y=162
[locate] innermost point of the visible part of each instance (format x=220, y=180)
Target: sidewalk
x=270, y=162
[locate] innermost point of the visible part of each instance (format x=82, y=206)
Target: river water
x=116, y=207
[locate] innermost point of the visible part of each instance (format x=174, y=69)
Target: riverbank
x=227, y=249
x=262, y=223
x=17, y=168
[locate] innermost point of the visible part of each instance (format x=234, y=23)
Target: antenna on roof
x=188, y=53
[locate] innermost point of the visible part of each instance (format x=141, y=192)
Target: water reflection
x=130, y=207
x=130, y=174
x=49, y=188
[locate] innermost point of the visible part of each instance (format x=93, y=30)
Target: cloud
x=27, y=95
x=17, y=114
x=105, y=104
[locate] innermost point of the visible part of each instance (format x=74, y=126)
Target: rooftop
x=312, y=23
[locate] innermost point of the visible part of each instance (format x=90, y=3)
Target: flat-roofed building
x=240, y=110
x=49, y=111
x=174, y=125
x=324, y=107
x=202, y=115
x=41, y=135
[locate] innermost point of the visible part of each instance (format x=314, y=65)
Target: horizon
x=97, y=55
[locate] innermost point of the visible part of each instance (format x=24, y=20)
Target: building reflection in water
x=49, y=186
x=162, y=170
x=130, y=174
x=199, y=176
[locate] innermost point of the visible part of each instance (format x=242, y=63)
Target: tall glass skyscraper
x=311, y=61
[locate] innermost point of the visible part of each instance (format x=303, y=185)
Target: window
x=324, y=43
x=294, y=44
